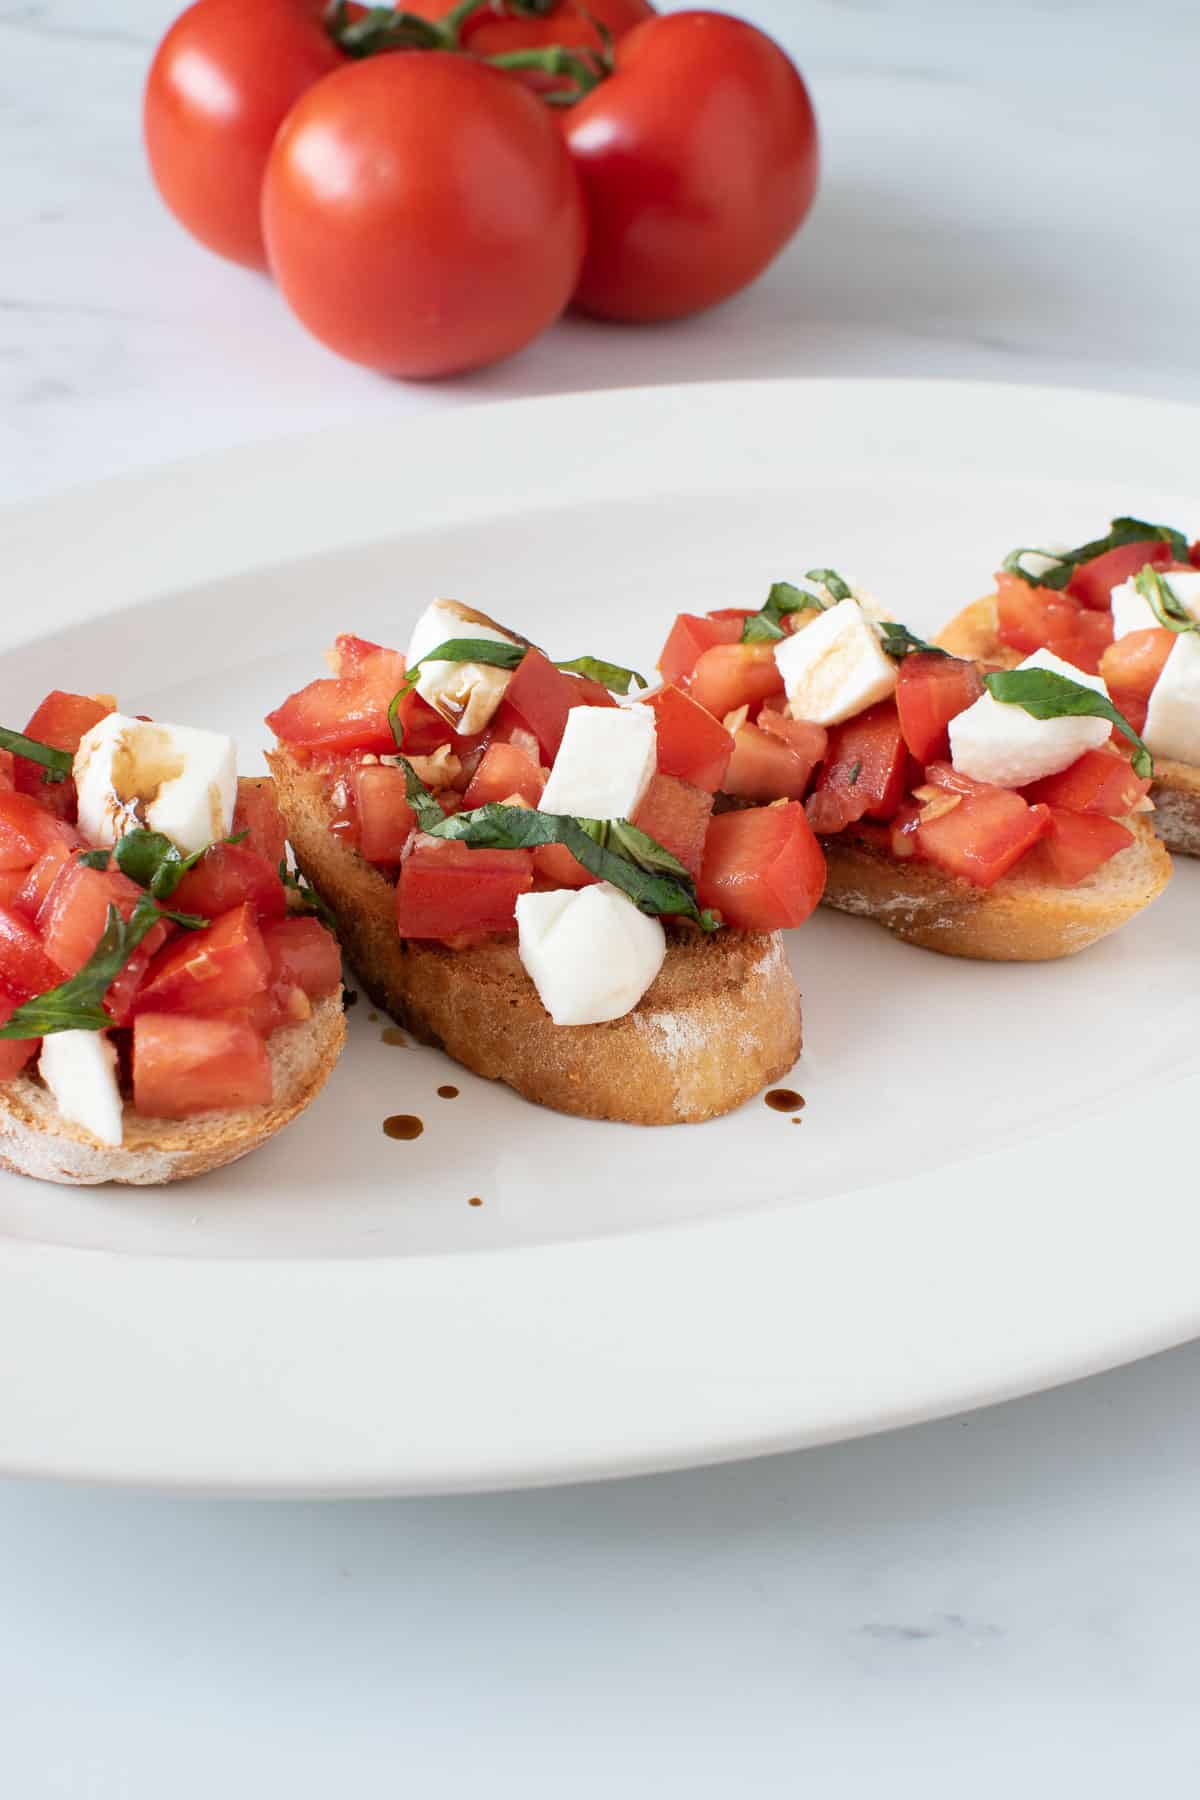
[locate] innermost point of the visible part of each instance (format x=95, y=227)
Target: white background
x=966, y=1607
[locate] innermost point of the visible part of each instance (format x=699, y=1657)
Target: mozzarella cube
x=604, y=764
x=836, y=667
x=168, y=778
x=80, y=1069
x=589, y=952
x=1131, y=611
x=998, y=741
x=1172, y=727
x=465, y=694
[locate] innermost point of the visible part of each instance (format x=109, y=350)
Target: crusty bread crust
x=1018, y=920
x=36, y=1140
x=719, y=1023
x=1176, y=790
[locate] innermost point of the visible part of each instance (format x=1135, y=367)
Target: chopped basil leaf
x=610, y=675
x=1065, y=562
x=428, y=812
x=57, y=764
x=855, y=772
x=898, y=640
x=1044, y=694
x=765, y=625
x=76, y=1005
x=305, y=899
x=831, y=581
x=1166, y=606
x=156, y=864
x=611, y=848
x=94, y=859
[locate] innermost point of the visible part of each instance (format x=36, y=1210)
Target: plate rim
x=308, y=1407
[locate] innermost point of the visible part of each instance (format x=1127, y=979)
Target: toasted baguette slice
x=721, y=1020
x=36, y=1140
x=1176, y=790
x=1018, y=920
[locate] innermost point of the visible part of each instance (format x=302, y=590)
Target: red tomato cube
x=555, y=867
x=1101, y=781
x=385, y=819
x=691, y=743
x=864, y=773
x=504, y=771
x=984, y=833
x=349, y=712
x=538, y=699
x=447, y=889
x=184, y=1065
x=1092, y=582
x=72, y=917
x=930, y=691
x=1030, y=618
x=763, y=869
x=257, y=814
x=60, y=721
x=14, y=1052
x=676, y=815
x=230, y=875
x=25, y=968
x=306, y=965
x=26, y=829
x=764, y=767
x=733, y=675
x=1133, y=664
x=688, y=639
x=1075, y=846
x=209, y=971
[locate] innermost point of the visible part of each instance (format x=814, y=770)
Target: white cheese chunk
x=589, y=952
x=835, y=667
x=604, y=764
x=997, y=741
x=1173, y=720
x=168, y=778
x=80, y=1069
x=1131, y=611
x=465, y=694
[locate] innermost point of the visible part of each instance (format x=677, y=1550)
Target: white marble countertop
x=974, y=1606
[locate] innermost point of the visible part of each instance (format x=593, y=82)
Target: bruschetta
x=525, y=869
x=168, y=998
x=974, y=815
x=1126, y=607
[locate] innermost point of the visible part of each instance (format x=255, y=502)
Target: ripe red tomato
x=422, y=215
x=698, y=159
x=222, y=82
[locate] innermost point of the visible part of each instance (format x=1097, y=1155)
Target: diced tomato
x=306, y=964
x=12, y=881
x=763, y=868
x=60, y=721
x=675, y=814
x=984, y=834
x=350, y=712
x=123, y=989
x=504, y=771
x=208, y=971
x=930, y=691
x=691, y=743
x=6, y=771
x=733, y=675
x=25, y=968
x=350, y=652
x=807, y=740
x=14, y=1052
x=37, y=882
x=385, y=819
x=184, y=1065
x=1102, y=782
x=447, y=889
x=258, y=815
x=26, y=829
x=1075, y=846
x=1133, y=664
x=538, y=699
x=1030, y=618
x=740, y=613
x=764, y=767
x=72, y=917
x=230, y=875
x=689, y=637
x=1092, y=582
x=864, y=773
x=422, y=730
x=555, y=867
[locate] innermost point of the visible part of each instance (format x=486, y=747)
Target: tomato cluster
x=432, y=188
